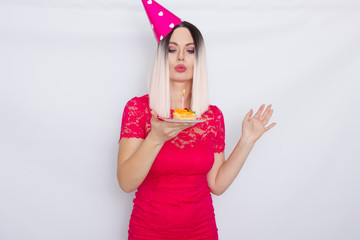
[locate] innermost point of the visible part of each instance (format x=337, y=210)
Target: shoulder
x=138, y=102
x=143, y=99
x=215, y=110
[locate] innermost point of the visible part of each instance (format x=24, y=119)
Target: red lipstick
x=180, y=68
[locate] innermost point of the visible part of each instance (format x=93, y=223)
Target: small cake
x=184, y=114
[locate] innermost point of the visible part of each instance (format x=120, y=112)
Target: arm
x=224, y=172
x=136, y=155
x=135, y=158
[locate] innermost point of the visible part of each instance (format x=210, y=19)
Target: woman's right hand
x=161, y=131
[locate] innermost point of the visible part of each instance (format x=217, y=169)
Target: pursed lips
x=180, y=67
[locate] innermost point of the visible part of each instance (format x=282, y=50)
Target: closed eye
x=174, y=50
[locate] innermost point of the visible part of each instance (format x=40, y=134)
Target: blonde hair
x=159, y=82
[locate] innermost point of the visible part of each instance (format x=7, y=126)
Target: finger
x=267, y=117
x=248, y=115
x=176, y=124
x=176, y=132
x=261, y=118
x=154, y=116
x=259, y=111
x=270, y=126
x=189, y=125
x=186, y=126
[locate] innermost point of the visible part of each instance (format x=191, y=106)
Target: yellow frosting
x=184, y=114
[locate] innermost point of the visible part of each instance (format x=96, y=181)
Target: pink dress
x=174, y=201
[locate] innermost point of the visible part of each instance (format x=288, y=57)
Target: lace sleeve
x=219, y=143
x=133, y=120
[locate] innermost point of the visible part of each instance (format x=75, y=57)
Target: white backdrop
x=67, y=69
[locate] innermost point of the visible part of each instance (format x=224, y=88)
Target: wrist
x=154, y=139
x=244, y=139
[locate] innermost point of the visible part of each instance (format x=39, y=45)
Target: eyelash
x=173, y=50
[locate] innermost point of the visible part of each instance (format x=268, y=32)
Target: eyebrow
x=185, y=45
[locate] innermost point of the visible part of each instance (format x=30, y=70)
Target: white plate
x=183, y=121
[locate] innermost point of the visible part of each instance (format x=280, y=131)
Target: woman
x=175, y=166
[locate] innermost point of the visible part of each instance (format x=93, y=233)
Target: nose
x=180, y=56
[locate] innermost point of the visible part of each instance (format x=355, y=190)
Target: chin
x=180, y=79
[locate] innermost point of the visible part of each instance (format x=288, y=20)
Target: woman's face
x=181, y=55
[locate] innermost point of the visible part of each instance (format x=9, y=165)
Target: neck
x=176, y=93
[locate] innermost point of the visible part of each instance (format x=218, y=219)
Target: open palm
x=254, y=127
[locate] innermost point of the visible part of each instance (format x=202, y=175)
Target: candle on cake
x=182, y=99
x=183, y=113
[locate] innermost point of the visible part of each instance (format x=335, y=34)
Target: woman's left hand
x=253, y=128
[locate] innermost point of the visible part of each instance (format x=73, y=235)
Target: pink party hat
x=161, y=20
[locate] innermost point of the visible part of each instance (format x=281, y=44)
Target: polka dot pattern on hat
x=162, y=21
